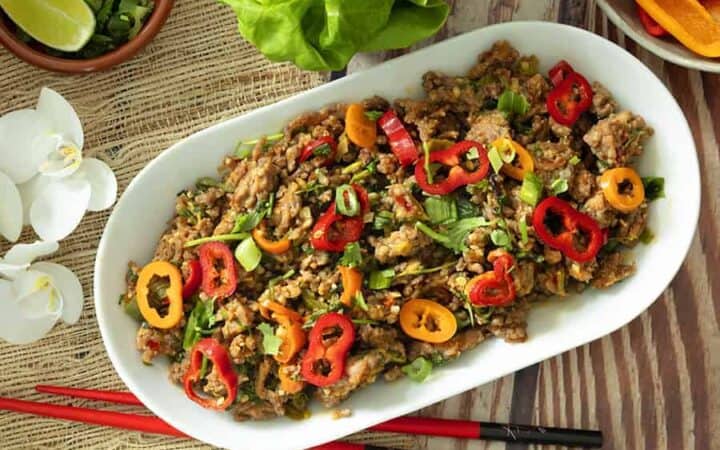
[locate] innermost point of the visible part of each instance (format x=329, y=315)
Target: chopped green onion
x=528, y=65
x=268, y=138
x=369, y=170
x=500, y=238
x=646, y=236
x=346, y=200
x=441, y=210
x=270, y=342
x=360, y=301
x=205, y=182
x=248, y=254
x=523, y=231
x=531, y=189
x=216, y=238
x=511, y=103
x=418, y=370
x=352, y=257
x=310, y=301
x=426, y=162
x=322, y=150
x=373, y=115
x=654, y=188
x=574, y=160
x=131, y=308
x=559, y=186
x=352, y=168
x=472, y=153
x=273, y=281
x=428, y=270
x=382, y=220
x=495, y=159
x=381, y=279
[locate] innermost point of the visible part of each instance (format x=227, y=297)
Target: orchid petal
x=29, y=192
x=63, y=160
x=68, y=284
x=37, y=294
x=15, y=327
x=102, y=181
x=59, y=208
x=20, y=158
x=11, y=271
x=61, y=116
x=27, y=253
x=11, y=210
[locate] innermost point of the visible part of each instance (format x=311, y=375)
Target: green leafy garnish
x=382, y=220
x=199, y=323
x=246, y=222
x=654, y=188
x=559, y=186
x=500, y=238
x=216, y=238
x=426, y=163
x=441, y=210
x=373, y=115
x=531, y=189
x=275, y=280
x=370, y=169
x=466, y=208
x=381, y=279
x=359, y=301
x=245, y=148
x=646, y=236
x=574, y=160
x=322, y=150
x=495, y=159
x=325, y=35
x=418, y=370
x=270, y=342
x=352, y=256
x=455, y=233
x=512, y=103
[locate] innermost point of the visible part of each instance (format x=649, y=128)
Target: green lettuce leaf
x=325, y=34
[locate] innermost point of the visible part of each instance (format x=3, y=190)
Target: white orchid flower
x=34, y=296
x=41, y=152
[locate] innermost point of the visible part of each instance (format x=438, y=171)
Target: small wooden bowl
x=157, y=18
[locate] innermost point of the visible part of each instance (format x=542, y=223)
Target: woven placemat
x=197, y=72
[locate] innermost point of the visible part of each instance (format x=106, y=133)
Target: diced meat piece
x=619, y=138
x=153, y=342
x=612, y=269
x=488, y=126
x=359, y=371
x=502, y=54
x=602, y=103
x=464, y=340
x=599, y=209
x=582, y=185
x=405, y=241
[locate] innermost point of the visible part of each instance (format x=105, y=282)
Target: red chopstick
x=409, y=425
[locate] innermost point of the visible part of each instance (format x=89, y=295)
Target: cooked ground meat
x=411, y=244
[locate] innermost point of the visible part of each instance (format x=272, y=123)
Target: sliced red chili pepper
x=401, y=143
x=333, y=231
x=651, y=26
x=219, y=275
x=560, y=71
x=573, y=226
x=311, y=147
x=330, y=340
x=217, y=354
x=452, y=157
x=569, y=99
x=193, y=280
x=494, y=288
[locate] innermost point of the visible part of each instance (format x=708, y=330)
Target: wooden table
x=655, y=383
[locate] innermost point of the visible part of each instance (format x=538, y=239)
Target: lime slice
x=60, y=24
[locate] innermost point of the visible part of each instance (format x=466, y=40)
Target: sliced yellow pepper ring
x=428, y=321
x=689, y=22
x=525, y=161
x=273, y=247
x=359, y=129
x=352, y=283
x=162, y=269
x=621, y=199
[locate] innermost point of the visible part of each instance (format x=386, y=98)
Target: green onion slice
x=531, y=189
x=346, y=200
x=248, y=254
x=496, y=160
x=217, y=238
x=418, y=370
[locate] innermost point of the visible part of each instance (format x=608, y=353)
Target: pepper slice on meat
x=359, y=129
x=352, y=283
x=578, y=235
x=559, y=71
x=525, y=162
x=330, y=340
x=456, y=158
x=272, y=247
x=287, y=382
x=325, y=146
x=219, y=275
x=428, y=321
x=193, y=280
x=216, y=353
x=400, y=141
x=569, y=99
x=333, y=231
x=612, y=184
x=173, y=293
x=494, y=288
x=291, y=332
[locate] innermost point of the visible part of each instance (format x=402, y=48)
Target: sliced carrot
x=359, y=129
x=689, y=22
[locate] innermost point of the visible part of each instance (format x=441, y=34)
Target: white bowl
x=623, y=14
x=144, y=209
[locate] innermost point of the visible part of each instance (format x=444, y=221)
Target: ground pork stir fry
x=380, y=240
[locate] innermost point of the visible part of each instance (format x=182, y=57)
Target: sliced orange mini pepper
x=352, y=283
x=689, y=22
x=626, y=201
x=525, y=161
x=293, y=338
x=273, y=247
x=428, y=321
x=161, y=269
x=268, y=306
x=359, y=129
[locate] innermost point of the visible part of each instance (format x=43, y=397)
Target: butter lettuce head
x=325, y=34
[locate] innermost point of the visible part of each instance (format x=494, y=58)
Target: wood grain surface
x=655, y=383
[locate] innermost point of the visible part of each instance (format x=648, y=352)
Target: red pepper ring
x=333, y=231
x=401, y=143
x=324, y=364
x=193, y=280
x=457, y=176
x=309, y=149
x=573, y=223
x=496, y=288
x=560, y=71
x=572, y=97
x=216, y=353
x=219, y=275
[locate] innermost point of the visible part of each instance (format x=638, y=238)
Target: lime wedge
x=60, y=24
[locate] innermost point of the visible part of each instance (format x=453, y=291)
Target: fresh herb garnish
x=500, y=238
x=270, y=342
x=531, y=189
x=455, y=233
x=558, y=186
x=359, y=301
x=383, y=220
x=373, y=115
x=466, y=208
x=574, y=160
x=441, y=210
x=216, y=238
x=654, y=188
x=512, y=103
x=381, y=279
x=418, y=370
x=646, y=236
x=246, y=222
x=322, y=150
x=352, y=256
x=248, y=254
x=199, y=323
x=495, y=159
